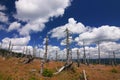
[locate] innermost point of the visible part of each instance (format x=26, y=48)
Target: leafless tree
x=84, y=55
x=114, y=58
x=67, y=44
x=99, y=59
x=56, y=55
x=78, y=58
x=46, y=49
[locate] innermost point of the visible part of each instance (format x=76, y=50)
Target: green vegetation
x=47, y=73
x=114, y=70
x=33, y=78
x=4, y=77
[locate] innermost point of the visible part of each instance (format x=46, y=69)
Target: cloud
x=3, y=17
x=2, y=7
x=14, y=26
x=29, y=28
x=72, y=25
x=103, y=33
x=38, y=12
x=17, y=43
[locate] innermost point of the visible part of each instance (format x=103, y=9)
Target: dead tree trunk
x=78, y=58
x=84, y=55
x=114, y=58
x=9, y=49
x=1, y=46
x=46, y=49
x=85, y=76
x=56, y=56
x=67, y=43
x=99, y=59
x=71, y=55
x=41, y=67
x=34, y=52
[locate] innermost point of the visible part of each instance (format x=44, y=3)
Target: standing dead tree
x=70, y=54
x=10, y=47
x=78, y=58
x=67, y=44
x=84, y=55
x=56, y=56
x=99, y=59
x=0, y=46
x=46, y=49
x=34, y=52
x=114, y=59
x=68, y=63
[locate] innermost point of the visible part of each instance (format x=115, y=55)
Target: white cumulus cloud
x=14, y=26
x=72, y=25
x=103, y=33
x=38, y=12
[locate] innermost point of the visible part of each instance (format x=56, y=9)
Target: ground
x=14, y=69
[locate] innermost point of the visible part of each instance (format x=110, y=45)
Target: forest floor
x=14, y=69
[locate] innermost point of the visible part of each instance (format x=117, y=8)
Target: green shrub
x=113, y=70
x=32, y=78
x=47, y=73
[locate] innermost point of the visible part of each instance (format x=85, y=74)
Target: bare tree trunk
x=67, y=44
x=99, y=59
x=34, y=52
x=84, y=73
x=84, y=55
x=42, y=67
x=39, y=54
x=46, y=49
x=56, y=56
x=11, y=50
x=71, y=55
x=114, y=58
x=78, y=58
x=1, y=46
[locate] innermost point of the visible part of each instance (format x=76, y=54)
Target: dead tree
x=70, y=54
x=34, y=52
x=99, y=59
x=9, y=49
x=39, y=54
x=46, y=49
x=56, y=56
x=67, y=44
x=84, y=55
x=1, y=46
x=78, y=58
x=114, y=58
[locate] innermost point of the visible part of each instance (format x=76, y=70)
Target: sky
x=27, y=22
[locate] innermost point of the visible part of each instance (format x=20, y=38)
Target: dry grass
x=16, y=70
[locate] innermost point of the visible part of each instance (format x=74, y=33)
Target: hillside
x=14, y=69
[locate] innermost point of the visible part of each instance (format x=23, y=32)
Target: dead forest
x=43, y=68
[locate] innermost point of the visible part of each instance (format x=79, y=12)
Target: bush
x=47, y=73
x=114, y=70
x=32, y=78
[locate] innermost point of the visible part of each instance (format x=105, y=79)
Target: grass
x=9, y=70
x=114, y=70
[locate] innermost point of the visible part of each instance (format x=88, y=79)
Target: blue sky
x=27, y=22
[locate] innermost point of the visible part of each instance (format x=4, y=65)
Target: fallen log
x=27, y=60
x=67, y=65
x=85, y=77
